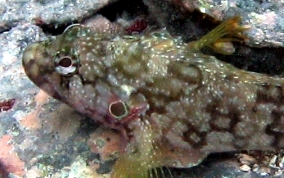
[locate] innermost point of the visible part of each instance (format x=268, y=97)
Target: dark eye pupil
x=65, y=62
x=118, y=109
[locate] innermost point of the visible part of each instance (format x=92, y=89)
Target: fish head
x=72, y=68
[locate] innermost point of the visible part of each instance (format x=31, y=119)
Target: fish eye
x=118, y=109
x=65, y=65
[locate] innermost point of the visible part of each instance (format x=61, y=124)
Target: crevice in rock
x=7, y=26
x=124, y=8
x=54, y=29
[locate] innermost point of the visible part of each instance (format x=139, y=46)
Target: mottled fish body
x=172, y=104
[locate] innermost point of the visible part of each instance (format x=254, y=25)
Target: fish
x=171, y=104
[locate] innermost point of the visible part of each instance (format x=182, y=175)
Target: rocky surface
x=265, y=18
x=41, y=137
x=16, y=12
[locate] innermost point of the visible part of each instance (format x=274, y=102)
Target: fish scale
x=173, y=104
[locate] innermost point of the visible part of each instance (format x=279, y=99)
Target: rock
x=265, y=18
x=48, y=138
x=42, y=11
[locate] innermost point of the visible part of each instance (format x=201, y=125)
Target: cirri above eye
x=66, y=65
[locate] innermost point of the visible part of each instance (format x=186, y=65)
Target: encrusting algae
x=171, y=104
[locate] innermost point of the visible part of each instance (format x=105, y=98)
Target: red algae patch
x=6, y=105
x=41, y=98
x=107, y=143
x=31, y=121
x=8, y=158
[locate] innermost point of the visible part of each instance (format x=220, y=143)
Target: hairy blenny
x=172, y=104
